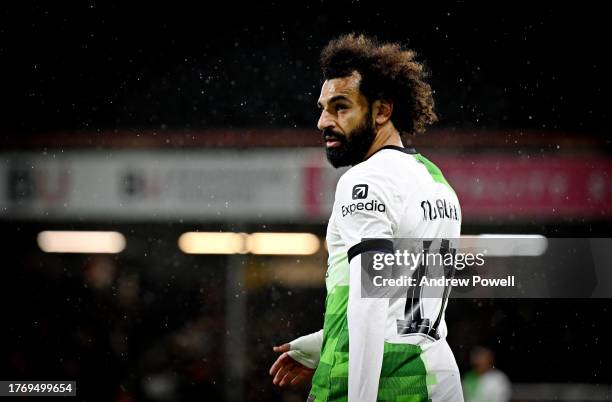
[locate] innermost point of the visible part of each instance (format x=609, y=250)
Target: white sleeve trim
x=307, y=349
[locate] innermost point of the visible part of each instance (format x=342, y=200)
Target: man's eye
x=341, y=107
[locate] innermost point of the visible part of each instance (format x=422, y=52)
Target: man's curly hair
x=387, y=72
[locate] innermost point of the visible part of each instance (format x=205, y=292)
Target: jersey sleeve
x=365, y=211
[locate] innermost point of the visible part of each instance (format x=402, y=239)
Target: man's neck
x=387, y=135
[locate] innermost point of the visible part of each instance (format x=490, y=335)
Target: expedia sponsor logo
x=373, y=205
x=360, y=191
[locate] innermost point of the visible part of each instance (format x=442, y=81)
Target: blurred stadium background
x=151, y=124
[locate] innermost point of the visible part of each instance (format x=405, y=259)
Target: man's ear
x=382, y=111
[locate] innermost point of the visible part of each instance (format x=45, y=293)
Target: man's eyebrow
x=334, y=99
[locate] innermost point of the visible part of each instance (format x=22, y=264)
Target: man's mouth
x=332, y=143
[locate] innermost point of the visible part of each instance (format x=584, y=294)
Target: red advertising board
x=504, y=186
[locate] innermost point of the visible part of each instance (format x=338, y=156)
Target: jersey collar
x=410, y=151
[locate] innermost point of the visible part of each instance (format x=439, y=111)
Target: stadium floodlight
x=212, y=243
x=87, y=242
x=283, y=243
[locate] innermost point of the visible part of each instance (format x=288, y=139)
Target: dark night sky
x=94, y=66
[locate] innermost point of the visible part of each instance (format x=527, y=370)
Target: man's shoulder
x=384, y=167
x=382, y=176
x=365, y=172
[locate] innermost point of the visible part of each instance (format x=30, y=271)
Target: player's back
x=396, y=193
x=420, y=204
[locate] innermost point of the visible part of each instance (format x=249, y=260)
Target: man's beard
x=351, y=152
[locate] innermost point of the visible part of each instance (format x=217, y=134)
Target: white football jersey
x=396, y=193
x=384, y=348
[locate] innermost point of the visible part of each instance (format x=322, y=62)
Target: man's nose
x=325, y=121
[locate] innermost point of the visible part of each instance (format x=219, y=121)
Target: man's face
x=346, y=121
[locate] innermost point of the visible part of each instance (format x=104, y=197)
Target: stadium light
x=212, y=243
x=89, y=242
x=255, y=243
x=283, y=243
